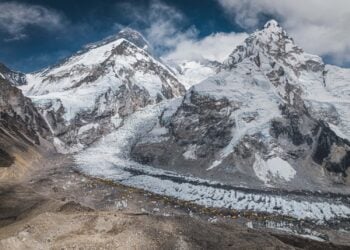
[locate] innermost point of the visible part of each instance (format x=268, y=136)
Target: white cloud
x=214, y=47
x=15, y=17
x=320, y=27
x=163, y=25
x=169, y=32
x=166, y=23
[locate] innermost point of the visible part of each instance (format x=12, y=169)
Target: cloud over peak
x=320, y=27
x=215, y=47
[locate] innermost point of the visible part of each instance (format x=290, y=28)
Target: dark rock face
x=18, y=114
x=291, y=126
x=331, y=151
x=207, y=121
x=202, y=122
x=15, y=78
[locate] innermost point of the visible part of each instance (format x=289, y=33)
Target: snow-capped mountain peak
x=128, y=34
x=276, y=45
x=111, y=78
x=135, y=37
x=273, y=26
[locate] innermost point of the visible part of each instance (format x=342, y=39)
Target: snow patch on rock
x=273, y=169
x=190, y=154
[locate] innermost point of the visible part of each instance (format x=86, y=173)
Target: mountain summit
x=273, y=43
x=135, y=37
x=128, y=34
x=273, y=25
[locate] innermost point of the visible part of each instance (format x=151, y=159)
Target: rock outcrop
x=21, y=125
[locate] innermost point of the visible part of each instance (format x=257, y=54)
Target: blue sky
x=85, y=21
x=38, y=33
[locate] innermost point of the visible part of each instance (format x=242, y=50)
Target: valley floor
x=57, y=207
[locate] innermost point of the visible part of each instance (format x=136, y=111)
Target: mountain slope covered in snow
x=273, y=116
x=192, y=72
x=89, y=93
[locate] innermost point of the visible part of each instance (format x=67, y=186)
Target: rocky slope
x=21, y=130
x=91, y=92
x=59, y=208
x=273, y=116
